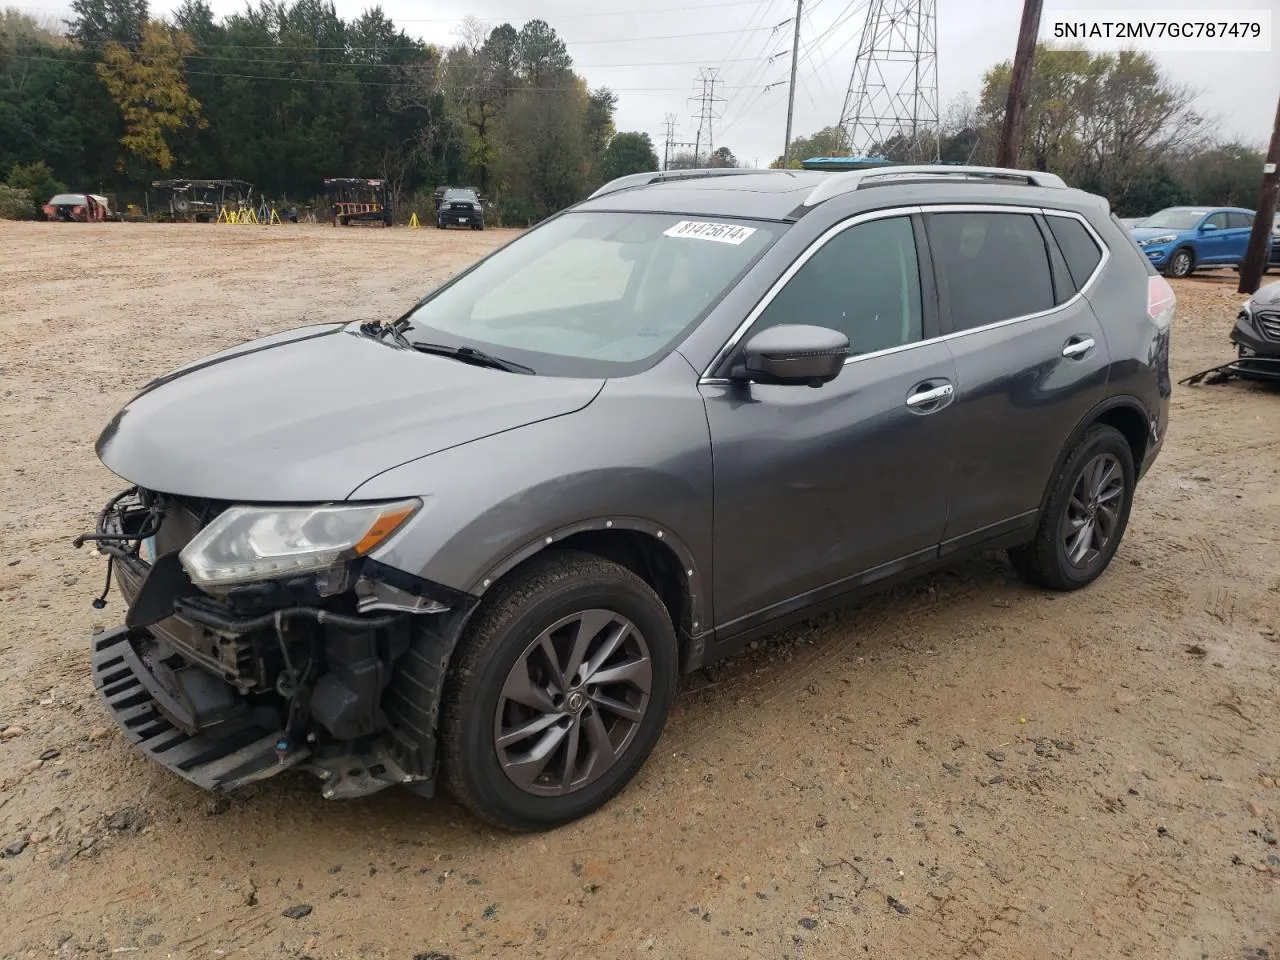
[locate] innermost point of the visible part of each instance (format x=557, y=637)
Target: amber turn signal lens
x=382, y=528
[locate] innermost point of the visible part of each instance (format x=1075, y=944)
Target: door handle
x=922, y=398
x=1077, y=347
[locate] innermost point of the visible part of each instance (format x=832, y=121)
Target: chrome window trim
x=854, y=221
x=795, y=267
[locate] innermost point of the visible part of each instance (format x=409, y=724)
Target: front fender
x=698, y=613
x=639, y=455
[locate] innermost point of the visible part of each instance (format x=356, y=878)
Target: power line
x=693, y=8
x=756, y=73
x=759, y=13
x=388, y=48
x=477, y=68
x=345, y=82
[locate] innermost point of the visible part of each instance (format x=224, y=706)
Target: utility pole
x=1255, y=259
x=1019, y=84
x=791, y=89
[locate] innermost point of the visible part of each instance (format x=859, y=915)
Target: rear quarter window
x=1078, y=247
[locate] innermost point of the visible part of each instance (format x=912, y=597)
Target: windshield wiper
x=377, y=330
x=469, y=355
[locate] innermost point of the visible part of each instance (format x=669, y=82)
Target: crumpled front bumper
x=240, y=750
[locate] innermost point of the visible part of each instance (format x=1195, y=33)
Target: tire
x=502, y=651
x=1045, y=561
x=1182, y=263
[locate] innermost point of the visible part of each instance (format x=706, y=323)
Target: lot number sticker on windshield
x=719, y=232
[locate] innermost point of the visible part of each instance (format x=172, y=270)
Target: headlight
x=1156, y=241
x=243, y=544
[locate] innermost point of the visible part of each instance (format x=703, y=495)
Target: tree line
x=1110, y=123
x=284, y=95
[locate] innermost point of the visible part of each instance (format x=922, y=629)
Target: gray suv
x=479, y=544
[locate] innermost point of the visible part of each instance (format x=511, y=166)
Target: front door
x=1031, y=358
x=1215, y=244
x=817, y=489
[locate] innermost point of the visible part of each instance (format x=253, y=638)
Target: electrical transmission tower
x=891, y=107
x=707, y=100
x=671, y=147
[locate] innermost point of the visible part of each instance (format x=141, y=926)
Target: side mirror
x=793, y=354
x=1206, y=227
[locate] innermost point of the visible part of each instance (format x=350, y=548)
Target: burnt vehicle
x=356, y=200
x=202, y=201
x=477, y=546
x=77, y=208
x=460, y=207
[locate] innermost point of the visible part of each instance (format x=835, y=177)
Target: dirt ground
x=962, y=767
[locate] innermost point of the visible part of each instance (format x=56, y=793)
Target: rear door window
x=1078, y=247
x=991, y=266
x=1237, y=220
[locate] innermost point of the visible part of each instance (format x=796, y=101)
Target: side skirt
x=731, y=638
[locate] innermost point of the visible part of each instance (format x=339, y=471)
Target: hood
x=1267, y=298
x=312, y=414
x=1150, y=233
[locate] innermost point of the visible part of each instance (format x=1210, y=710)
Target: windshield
x=1174, y=219
x=592, y=294
x=64, y=198
x=459, y=195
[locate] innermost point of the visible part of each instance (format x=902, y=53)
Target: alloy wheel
x=1181, y=263
x=1093, y=511
x=572, y=703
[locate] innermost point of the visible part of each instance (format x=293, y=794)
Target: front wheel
x=1181, y=264
x=1085, y=516
x=559, y=691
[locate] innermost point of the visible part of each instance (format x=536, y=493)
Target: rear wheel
x=1181, y=263
x=1085, y=516
x=559, y=691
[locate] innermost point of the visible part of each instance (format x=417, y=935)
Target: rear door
x=1031, y=358
x=1239, y=227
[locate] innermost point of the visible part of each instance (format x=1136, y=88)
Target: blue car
x=1178, y=240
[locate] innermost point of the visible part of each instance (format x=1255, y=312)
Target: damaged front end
x=260, y=639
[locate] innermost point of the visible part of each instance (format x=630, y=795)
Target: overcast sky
x=652, y=58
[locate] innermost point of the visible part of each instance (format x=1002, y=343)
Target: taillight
x=1161, y=301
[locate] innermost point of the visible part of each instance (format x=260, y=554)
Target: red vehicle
x=78, y=207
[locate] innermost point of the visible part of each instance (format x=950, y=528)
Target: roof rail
x=661, y=176
x=841, y=183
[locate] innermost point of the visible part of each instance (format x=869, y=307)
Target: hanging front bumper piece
x=239, y=747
